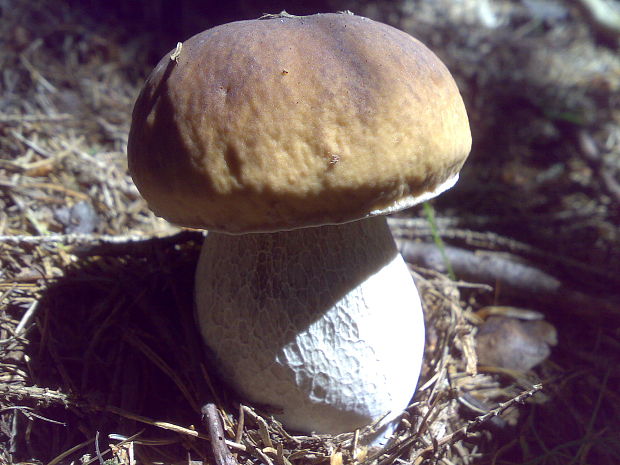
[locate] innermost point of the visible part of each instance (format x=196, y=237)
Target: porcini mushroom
x=289, y=139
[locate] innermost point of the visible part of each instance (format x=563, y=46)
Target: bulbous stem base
x=323, y=324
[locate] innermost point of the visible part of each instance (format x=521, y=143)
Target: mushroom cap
x=291, y=122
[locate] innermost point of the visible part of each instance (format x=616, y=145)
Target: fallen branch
x=418, y=228
x=512, y=277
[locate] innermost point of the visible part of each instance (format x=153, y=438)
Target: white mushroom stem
x=323, y=324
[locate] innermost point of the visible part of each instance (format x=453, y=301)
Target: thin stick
x=240, y=425
x=211, y=418
x=68, y=452
x=97, y=450
x=40, y=118
x=103, y=244
x=464, y=431
x=26, y=318
x=263, y=430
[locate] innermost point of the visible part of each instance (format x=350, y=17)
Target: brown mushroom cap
x=291, y=122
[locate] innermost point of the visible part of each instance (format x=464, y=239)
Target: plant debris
x=100, y=359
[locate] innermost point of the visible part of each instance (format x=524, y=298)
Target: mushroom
x=289, y=139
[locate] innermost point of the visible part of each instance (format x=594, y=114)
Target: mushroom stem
x=323, y=324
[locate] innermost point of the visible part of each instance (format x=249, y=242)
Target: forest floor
x=99, y=356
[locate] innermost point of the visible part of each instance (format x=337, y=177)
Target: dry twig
x=211, y=418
